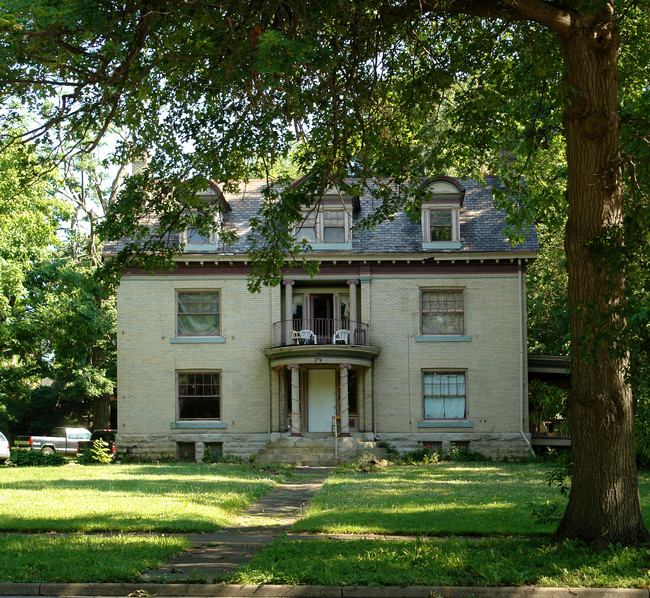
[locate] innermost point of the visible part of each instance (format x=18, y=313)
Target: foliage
x=57, y=321
x=426, y=455
x=560, y=478
x=36, y=458
x=99, y=452
x=546, y=285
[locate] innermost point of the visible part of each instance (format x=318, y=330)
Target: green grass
x=84, y=558
x=127, y=498
x=451, y=561
x=440, y=499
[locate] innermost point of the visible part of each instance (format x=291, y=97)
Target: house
x=411, y=334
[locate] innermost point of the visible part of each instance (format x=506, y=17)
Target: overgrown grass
x=450, y=561
x=439, y=499
x=84, y=558
x=133, y=498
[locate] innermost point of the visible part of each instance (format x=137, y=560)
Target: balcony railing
x=320, y=331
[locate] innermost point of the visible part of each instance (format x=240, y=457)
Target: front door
x=321, y=399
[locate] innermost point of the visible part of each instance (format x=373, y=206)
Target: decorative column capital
x=354, y=281
x=293, y=366
x=288, y=282
x=345, y=366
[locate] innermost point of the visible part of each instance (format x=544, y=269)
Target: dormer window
x=441, y=214
x=191, y=237
x=197, y=242
x=195, y=238
x=327, y=228
x=440, y=225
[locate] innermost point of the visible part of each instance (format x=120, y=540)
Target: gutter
x=522, y=355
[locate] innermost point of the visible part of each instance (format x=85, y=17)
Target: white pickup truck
x=62, y=440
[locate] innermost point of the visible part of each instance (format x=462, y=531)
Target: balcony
x=320, y=331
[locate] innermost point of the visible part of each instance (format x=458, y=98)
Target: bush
x=552, y=511
x=36, y=458
x=99, y=452
x=425, y=455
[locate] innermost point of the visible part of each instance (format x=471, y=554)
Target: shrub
x=99, y=452
x=36, y=458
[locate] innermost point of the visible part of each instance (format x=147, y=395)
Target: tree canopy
x=381, y=89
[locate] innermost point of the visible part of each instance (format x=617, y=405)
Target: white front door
x=321, y=397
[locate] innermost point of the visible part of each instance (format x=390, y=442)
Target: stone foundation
x=156, y=446
x=496, y=446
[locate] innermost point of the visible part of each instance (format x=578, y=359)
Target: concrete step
x=318, y=451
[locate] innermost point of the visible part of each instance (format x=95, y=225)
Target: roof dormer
x=441, y=213
x=327, y=225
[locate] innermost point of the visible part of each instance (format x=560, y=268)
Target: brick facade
x=255, y=386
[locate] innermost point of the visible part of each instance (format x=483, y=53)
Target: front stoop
x=327, y=452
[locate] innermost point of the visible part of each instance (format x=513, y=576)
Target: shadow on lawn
x=114, y=522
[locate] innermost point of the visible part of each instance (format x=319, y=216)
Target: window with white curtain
x=198, y=313
x=443, y=311
x=444, y=395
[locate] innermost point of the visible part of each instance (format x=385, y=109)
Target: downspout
x=522, y=355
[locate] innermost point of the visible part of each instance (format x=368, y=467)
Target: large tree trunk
x=604, y=501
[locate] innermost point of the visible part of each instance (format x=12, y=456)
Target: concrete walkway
x=219, y=554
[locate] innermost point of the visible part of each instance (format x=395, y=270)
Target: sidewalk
x=219, y=554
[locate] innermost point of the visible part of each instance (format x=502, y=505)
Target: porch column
x=288, y=310
x=345, y=405
x=295, y=399
x=352, y=284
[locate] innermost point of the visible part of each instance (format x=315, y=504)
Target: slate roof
x=482, y=226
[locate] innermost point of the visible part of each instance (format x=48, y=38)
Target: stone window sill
x=449, y=423
x=198, y=424
x=443, y=338
x=197, y=339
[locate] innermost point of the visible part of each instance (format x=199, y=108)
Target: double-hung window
x=199, y=242
x=443, y=311
x=199, y=395
x=440, y=225
x=441, y=214
x=444, y=395
x=326, y=226
x=198, y=313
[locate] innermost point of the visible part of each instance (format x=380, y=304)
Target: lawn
x=441, y=499
x=75, y=558
x=448, y=561
x=113, y=498
x=481, y=510
x=127, y=498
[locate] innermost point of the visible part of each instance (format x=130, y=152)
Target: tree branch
x=544, y=13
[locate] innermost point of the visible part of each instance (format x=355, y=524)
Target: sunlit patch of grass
x=442, y=498
x=82, y=558
x=171, y=497
x=453, y=561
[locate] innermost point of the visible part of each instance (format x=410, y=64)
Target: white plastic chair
x=307, y=337
x=341, y=337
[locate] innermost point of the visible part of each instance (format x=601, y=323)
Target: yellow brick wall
x=148, y=361
x=491, y=359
